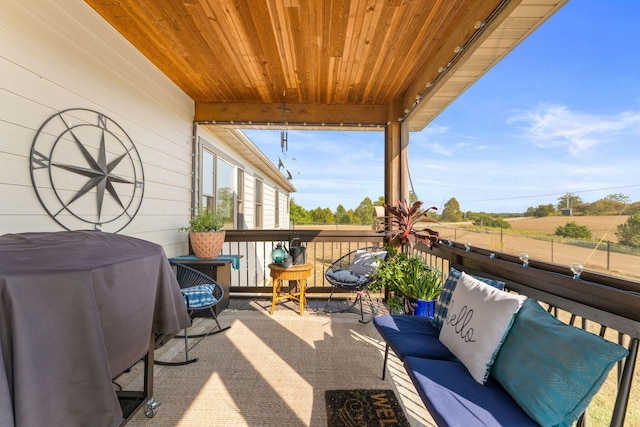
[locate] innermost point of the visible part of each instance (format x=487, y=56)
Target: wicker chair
x=353, y=272
x=200, y=292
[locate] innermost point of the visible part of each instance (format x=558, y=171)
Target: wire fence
x=605, y=256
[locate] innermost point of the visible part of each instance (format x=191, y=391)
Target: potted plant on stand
x=205, y=234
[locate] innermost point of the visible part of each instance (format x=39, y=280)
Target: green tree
x=602, y=207
x=352, y=217
x=568, y=201
x=363, y=214
x=619, y=197
x=629, y=232
x=632, y=208
x=501, y=223
x=341, y=216
x=541, y=210
x=486, y=220
x=317, y=215
x=322, y=216
x=298, y=214
x=451, y=211
x=573, y=230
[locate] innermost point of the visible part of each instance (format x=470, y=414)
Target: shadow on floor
x=314, y=305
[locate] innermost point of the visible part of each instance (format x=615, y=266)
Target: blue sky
x=561, y=113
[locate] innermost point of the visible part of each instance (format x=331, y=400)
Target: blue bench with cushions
x=495, y=358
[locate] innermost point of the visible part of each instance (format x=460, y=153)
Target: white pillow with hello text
x=477, y=323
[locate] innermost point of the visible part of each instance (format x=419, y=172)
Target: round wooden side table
x=294, y=273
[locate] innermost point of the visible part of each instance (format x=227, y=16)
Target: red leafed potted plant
x=404, y=219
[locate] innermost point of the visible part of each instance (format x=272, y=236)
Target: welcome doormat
x=364, y=408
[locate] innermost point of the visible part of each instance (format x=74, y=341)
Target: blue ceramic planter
x=425, y=308
x=419, y=307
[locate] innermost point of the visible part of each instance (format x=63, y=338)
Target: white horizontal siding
x=57, y=55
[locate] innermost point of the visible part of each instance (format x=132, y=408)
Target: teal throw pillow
x=552, y=369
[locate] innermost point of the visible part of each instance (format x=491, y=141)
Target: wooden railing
x=322, y=248
x=605, y=304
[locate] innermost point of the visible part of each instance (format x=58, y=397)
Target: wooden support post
x=396, y=156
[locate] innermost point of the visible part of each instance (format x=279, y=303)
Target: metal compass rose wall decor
x=86, y=171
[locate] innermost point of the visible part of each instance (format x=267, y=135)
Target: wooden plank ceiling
x=331, y=61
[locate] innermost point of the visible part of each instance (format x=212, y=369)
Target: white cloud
x=551, y=126
x=440, y=140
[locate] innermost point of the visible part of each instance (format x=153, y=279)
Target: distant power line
x=548, y=195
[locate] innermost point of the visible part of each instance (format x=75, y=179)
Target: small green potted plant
x=421, y=287
x=409, y=276
x=205, y=233
x=388, y=271
x=396, y=303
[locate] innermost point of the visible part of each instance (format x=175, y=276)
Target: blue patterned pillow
x=199, y=296
x=442, y=305
x=552, y=369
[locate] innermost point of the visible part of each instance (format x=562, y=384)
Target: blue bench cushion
x=199, y=296
x=411, y=336
x=551, y=369
x=455, y=399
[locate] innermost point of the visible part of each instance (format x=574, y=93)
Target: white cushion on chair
x=199, y=296
x=364, y=262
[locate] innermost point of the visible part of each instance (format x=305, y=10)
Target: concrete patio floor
x=233, y=379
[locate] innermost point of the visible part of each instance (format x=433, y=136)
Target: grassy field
x=600, y=226
x=535, y=236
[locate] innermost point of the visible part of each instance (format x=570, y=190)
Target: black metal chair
x=200, y=293
x=353, y=272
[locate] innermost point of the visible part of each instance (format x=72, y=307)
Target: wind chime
x=284, y=137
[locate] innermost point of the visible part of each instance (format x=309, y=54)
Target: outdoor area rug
x=360, y=408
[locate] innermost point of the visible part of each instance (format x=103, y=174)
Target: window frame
x=206, y=200
x=258, y=203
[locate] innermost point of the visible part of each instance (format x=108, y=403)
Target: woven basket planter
x=207, y=244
